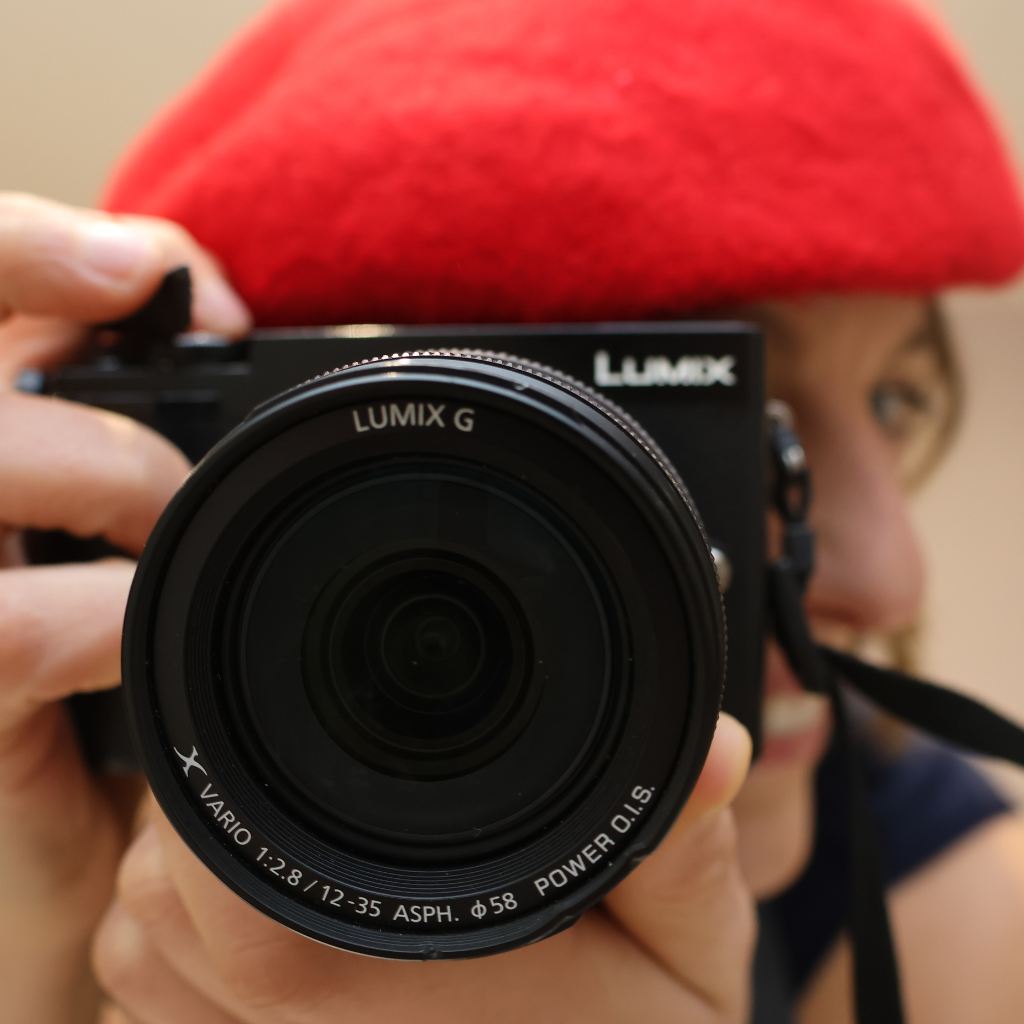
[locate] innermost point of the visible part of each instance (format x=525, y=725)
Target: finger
x=60, y=631
x=687, y=903
x=146, y=891
x=262, y=966
x=82, y=265
x=86, y=471
x=35, y=342
x=216, y=306
x=131, y=970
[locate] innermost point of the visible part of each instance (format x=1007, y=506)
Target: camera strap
x=946, y=714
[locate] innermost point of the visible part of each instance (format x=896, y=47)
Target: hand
x=671, y=943
x=91, y=473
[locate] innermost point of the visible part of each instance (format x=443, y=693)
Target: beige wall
x=78, y=79
x=972, y=514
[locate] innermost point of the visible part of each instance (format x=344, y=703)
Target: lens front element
x=419, y=665
x=426, y=685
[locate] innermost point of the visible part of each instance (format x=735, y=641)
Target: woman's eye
x=902, y=409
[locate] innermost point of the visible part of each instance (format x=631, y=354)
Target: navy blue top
x=924, y=798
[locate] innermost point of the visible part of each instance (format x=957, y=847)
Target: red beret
x=457, y=160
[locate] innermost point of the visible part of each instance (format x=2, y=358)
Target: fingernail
x=114, y=250
x=216, y=307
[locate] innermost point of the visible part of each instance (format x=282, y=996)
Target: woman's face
x=869, y=390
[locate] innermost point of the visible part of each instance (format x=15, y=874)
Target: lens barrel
x=426, y=654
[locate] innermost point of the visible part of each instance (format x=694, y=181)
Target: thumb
x=688, y=904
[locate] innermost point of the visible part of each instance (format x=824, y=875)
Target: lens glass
x=419, y=665
x=419, y=653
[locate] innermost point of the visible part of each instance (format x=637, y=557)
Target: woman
x=667, y=160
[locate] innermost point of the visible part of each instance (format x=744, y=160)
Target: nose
x=869, y=576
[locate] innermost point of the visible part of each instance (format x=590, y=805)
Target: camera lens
x=426, y=654
x=431, y=645
x=381, y=563
x=419, y=665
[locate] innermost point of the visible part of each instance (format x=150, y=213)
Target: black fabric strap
x=875, y=968
x=944, y=713
x=771, y=995
x=876, y=976
x=950, y=716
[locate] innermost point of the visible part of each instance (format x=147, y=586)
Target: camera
x=428, y=650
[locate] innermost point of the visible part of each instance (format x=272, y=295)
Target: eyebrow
x=921, y=336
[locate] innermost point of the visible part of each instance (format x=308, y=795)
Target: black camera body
x=279, y=668
x=696, y=387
